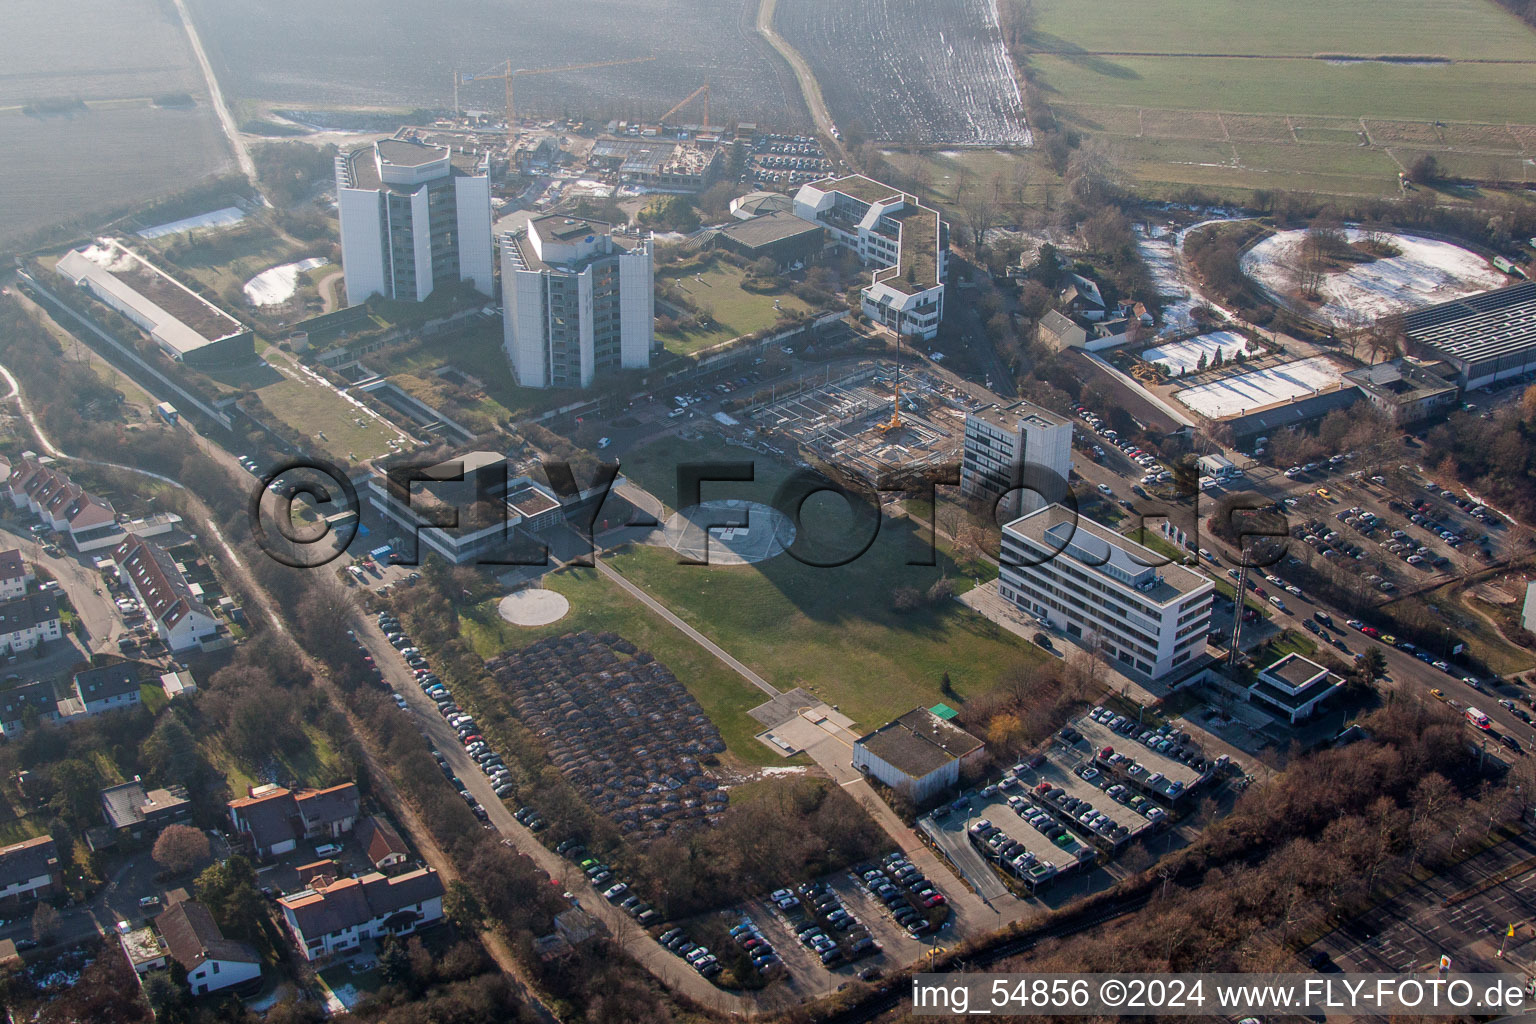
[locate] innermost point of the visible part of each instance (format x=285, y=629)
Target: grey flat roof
x=768, y=228
x=1069, y=529
x=1009, y=417
x=919, y=743
x=409, y=154
x=1478, y=327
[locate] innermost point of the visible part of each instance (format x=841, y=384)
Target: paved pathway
x=692, y=634
x=226, y=119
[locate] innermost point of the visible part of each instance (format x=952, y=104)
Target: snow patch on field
x=1232, y=396
x=276, y=285
x=1185, y=355
x=227, y=217
x=1160, y=248
x=1426, y=272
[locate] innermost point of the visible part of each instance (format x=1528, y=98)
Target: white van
x=327, y=850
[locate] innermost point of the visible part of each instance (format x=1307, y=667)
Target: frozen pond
x=1185, y=355
x=1234, y=395
x=1425, y=272
x=275, y=286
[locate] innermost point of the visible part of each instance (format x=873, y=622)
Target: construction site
x=880, y=418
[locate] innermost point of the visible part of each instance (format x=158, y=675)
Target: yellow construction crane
x=894, y=423
x=703, y=91
x=506, y=73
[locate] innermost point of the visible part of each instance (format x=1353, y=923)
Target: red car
x=1260, y=591
x=1370, y=631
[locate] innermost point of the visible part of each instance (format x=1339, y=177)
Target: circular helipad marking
x=766, y=532
x=533, y=607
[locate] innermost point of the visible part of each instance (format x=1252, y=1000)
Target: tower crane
x=703, y=91
x=506, y=73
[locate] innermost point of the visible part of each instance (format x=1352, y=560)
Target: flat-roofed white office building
x=578, y=301
x=413, y=217
x=1105, y=590
x=1013, y=447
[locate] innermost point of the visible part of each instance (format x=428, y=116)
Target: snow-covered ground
x=1185, y=355
x=1160, y=248
x=1233, y=395
x=276, y=285
x=1427, y=271
x=215, y=219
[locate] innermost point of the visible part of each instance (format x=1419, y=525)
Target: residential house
x=273, y=819
x=341, y=916
x=33, y=701
x=108, y=687
x=129, y=807
x=382, y=844
x=63, y=505
x=14, y=574
x=29, y=871
x=181, y=618
x=28, y=621
x=212, y=962
x=1060, y=333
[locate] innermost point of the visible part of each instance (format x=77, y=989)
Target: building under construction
x=870, y=423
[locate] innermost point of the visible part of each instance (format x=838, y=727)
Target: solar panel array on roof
x=1479, y=327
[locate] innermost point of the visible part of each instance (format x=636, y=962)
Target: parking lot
x=781, y=160
x=1104, y=783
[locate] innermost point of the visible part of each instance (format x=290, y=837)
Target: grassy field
x=598, y=604
x=1220, y=93
x=312, y=408
x=476, y=350
x=831, y=630
x=834, y=631
x=230, y=258
x=717, y=293
x=1457, y=29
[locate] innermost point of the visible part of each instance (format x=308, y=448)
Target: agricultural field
x=733, y=310
x=1294, y=107
x=82, y=103
x=326, y=56
x=910, y=70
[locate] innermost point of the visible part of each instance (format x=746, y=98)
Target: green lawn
x=834, y=631
x=1157, y=542
x=1154, y=75
x=310, y=407
x=717, y=293
x=1450, y=28
x=1460, y=92
x=598, y=604
x=475, y=350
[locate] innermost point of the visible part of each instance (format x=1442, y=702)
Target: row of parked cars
x=905, y=892
x=598, y=873
x=490, y=762
x=1165, y=739
x=698, y=957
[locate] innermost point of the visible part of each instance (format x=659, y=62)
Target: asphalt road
x=636, y=941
